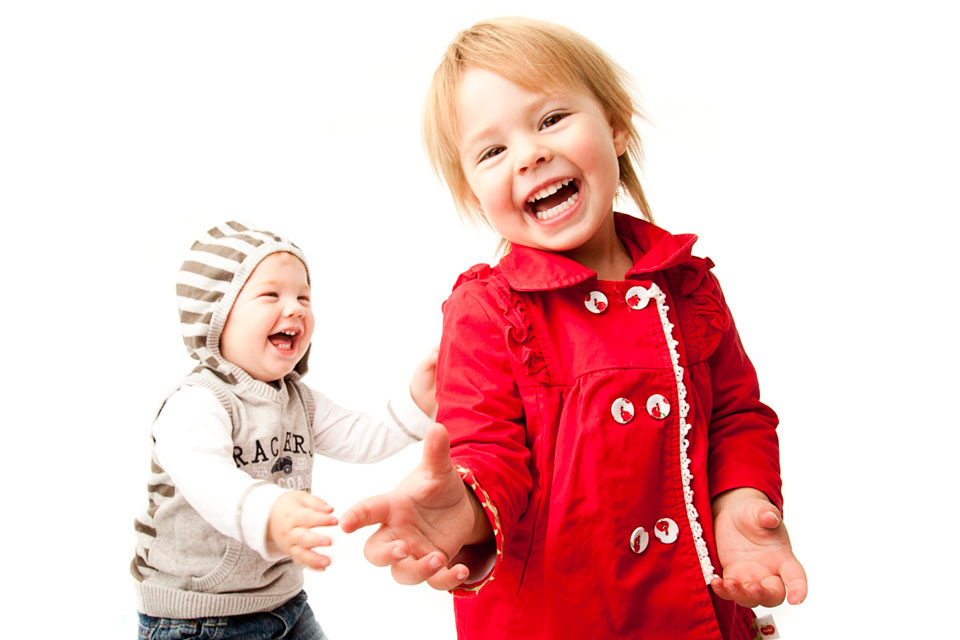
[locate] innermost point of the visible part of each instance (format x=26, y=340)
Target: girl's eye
x=552, y=119
x=269, y=294
x=304, y=299
x=490, y=153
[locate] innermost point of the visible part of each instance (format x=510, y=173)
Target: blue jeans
x=292, y=620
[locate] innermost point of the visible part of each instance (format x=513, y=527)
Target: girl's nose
x=530, y=153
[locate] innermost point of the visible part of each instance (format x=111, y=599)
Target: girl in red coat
x=610, y=471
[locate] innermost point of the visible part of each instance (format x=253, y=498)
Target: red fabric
x=525, y=384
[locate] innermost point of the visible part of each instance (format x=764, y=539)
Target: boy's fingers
x=365, y=513
x=307, y=558
x=313, y=502
x=310, y=518
x=312, y=539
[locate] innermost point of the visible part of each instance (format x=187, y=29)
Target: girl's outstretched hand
x=759, y=567
x=424, y=522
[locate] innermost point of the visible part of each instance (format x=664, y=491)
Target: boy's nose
x=294, y=309
x=530, y=154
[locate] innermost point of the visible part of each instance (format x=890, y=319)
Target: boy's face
x=271, y=323
x=542, y=166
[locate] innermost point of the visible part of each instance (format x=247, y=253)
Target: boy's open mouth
x=553, y=199
x=284, y=340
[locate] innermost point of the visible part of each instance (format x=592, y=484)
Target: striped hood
x=217, y=267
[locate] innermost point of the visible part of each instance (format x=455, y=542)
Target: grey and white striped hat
x=217, y=267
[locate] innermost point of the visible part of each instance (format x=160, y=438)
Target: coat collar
x=651, y=248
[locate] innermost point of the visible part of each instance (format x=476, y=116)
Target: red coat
x=567, y=400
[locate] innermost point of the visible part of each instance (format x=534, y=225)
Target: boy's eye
x=552, y=119
x=490, y=153
x=269, y=294
x=304, y=299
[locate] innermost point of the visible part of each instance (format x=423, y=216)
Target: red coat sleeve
x=744, y=449
x=480, y=405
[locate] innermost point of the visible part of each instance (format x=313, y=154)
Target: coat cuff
x=486, y=565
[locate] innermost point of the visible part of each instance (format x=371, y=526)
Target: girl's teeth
x=548, y=191
x=560, y=208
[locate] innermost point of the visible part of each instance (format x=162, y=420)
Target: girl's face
x=542, y=166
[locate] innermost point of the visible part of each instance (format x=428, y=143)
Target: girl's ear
x=620, y=138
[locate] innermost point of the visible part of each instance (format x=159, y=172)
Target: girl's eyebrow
x=536, y=104
x=478, y=137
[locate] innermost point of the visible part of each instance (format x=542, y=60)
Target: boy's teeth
x=560, y=208
x=281, y=341
x=284, y=339
x=548, y=190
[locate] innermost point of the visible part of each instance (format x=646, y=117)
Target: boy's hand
x=759, y=567
x=291, y=523
x=424, y=522
x=423, y=384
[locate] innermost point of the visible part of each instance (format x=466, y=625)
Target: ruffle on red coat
x=518, y=330
x=701, y=310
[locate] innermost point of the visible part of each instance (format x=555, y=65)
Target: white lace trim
x=705, y=565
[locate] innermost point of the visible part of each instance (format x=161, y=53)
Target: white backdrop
x=812, y=146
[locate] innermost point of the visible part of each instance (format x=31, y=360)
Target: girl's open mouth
x=553, y=199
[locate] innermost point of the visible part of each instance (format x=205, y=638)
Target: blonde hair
x=537, y=56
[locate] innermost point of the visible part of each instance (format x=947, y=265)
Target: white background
x=813, y=147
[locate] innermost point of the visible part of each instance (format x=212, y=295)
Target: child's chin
x=271, y=376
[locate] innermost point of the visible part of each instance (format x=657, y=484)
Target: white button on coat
x=666, y=530
x=622, y=410
x=595, y=302
x=639, y=540
x=658, y=407
x=638, y=297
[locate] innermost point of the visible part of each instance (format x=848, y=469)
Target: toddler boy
x=230, y=513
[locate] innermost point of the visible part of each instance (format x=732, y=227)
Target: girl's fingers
x=374, y=510
x=413, y=571
x=447, y=579
x=773, y=591
x=755, y=594
x=382, y=549
x=730, y=589
x=795, y=579
x=436, y=450
x=768, y=517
